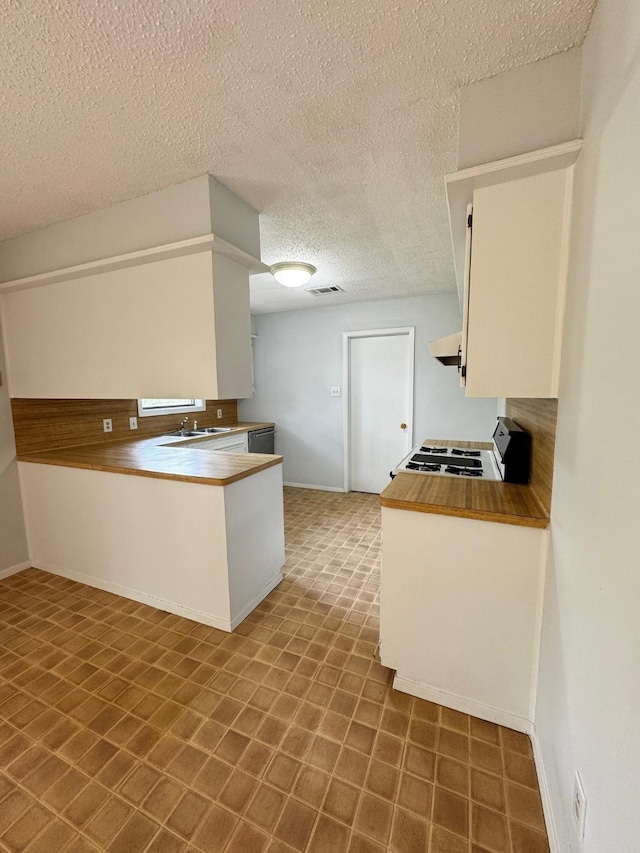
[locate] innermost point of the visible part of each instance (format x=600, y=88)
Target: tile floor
x=125, y=729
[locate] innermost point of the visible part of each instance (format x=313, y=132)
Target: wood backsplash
x=538, y=417
x=43, y=424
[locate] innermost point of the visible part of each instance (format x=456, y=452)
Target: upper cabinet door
x=514, y=298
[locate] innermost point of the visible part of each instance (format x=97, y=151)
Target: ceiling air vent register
x=321, y=291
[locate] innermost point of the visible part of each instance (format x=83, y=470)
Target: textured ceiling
x=335, y=119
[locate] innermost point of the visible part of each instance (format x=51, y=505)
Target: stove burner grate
x=433, y=450
x=457, y=452
x=463, y=472
x=413, y=467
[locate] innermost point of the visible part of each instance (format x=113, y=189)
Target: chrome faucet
x=183, y=425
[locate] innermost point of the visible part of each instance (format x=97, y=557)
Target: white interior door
x=380, y=405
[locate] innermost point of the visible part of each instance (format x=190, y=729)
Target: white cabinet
x=511, y=239
x=515, y=288
x=166, y=323
x=231, y=443
x=459, y=612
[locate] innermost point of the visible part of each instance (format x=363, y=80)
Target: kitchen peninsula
x=126, y=303
x=194, y=532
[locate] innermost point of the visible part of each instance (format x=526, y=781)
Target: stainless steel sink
x=195, y=433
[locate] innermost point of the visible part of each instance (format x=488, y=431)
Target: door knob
x=403, y=426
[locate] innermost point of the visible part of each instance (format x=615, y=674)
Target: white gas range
x=507, y=460
x=450, y=462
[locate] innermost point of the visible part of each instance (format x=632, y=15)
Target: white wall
x=13, y=543
x=233, y=219
x=521, y=110
x=589, y=682
x=298, y=357
x=166, y=216
x=190, y=209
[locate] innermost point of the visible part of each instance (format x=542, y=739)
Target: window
x=169, y=407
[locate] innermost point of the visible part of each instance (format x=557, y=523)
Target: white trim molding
x=135, y=595
x=198, y=406
x=14, y=570
x=208, y=242
x=347, y=337
x=255, y=601
x=554, y=157
x=465, y=706
x=545, y=794
x=317, y=488
x=227, y=625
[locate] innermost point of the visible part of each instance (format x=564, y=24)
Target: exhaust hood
x=447, y=349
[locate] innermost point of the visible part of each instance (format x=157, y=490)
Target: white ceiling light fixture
x=292, y=273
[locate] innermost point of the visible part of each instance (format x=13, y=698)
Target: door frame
x=347, y=337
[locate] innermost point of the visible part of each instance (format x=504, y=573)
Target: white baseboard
x=317, y=488
x=13, y=570
x=255, y=601
x=545, y=794
x=460, y=703
x=142, y=597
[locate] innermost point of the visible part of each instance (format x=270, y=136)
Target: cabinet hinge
x=470, y=220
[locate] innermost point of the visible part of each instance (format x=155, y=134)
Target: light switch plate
x=133, y=423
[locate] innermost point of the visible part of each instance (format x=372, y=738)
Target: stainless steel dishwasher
x=262, y=440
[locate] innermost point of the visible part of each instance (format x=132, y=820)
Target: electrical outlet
x=335, y=391
x=107, y=426
x=219, y=413
x=579, y=806
x=133, y=423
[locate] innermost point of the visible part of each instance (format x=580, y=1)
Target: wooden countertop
x=484, y=500
x=163, y=457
